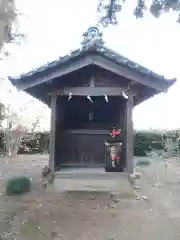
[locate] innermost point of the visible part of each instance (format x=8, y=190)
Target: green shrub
x=18, y=185
x=145, y=141
x=140, y=151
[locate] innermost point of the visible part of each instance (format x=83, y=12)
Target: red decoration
x=115, y=132
x=116, y=158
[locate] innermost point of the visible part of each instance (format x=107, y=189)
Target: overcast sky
x=55, y=27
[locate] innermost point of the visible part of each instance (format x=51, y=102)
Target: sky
x=55, y=27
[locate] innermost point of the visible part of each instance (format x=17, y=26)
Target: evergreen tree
x=157, y=7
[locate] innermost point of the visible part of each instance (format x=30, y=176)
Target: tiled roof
x=94, y=45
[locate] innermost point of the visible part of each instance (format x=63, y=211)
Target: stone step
x=92, y=181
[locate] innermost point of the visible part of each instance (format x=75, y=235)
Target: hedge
x=146, y=141
x=143, y=143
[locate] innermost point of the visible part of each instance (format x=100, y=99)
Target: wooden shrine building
x=89, y=91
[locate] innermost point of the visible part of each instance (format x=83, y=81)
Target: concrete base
x=92, y=180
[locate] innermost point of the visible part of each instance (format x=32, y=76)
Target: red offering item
x=115, y=133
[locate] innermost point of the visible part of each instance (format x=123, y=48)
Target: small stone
x=137, y=175
x=115, y=200
x=40, y=205
x=24, y=221
x=159, y=185
x=93, y=198
x=136, y=187
x=113, y=206
x=145, y=198
x=132, y=176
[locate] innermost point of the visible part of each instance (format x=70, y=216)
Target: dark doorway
x=81, y=113
x=85, y=127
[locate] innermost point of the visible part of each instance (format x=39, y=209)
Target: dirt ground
x=44, y=214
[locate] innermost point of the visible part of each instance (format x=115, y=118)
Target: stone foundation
x=92, y=180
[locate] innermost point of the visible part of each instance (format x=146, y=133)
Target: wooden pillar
x=129, y=135
x=59, y=134
x=52, y=134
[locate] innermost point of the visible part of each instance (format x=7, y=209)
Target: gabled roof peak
x=92, y=35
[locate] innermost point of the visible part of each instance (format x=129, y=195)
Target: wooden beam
x=132, y=74
x=129, y=143
x=92, y=91
x=52, y=134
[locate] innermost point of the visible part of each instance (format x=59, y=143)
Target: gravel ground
x=44, y=214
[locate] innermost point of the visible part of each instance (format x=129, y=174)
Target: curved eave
x=151, y=93
x=171, y=81
x=15, y=81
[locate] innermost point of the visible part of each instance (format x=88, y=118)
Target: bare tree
x=2, y=113
x=16, y=128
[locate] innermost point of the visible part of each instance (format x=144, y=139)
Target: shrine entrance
x=82, y=127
